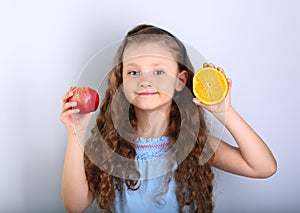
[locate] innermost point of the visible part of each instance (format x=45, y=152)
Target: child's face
x=149, y=76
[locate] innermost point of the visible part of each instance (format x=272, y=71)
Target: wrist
x=79, y=133
x=222, y=115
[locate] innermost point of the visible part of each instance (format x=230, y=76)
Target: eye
x=133, y=73
x=158, y=72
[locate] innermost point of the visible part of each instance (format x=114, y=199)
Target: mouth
x=146, y=93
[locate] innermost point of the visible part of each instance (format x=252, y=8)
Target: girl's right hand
x=70, y=117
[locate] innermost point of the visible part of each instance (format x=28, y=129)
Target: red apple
x=87, y=99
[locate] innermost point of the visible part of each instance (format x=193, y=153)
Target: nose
x=145, y=84
x=146, y=80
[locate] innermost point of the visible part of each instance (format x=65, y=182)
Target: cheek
x=167, y=85
x=128, y=88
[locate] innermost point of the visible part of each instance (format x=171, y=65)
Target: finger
x=66, y=97
x=69, y=105
x=72, y=111
x=72, y=87
x=211, y=65
x=66, y=115
x=69, y=111
x=229, y=82
x=205, y=64
x=69, y=94
x=198, y=102
x=221, y=70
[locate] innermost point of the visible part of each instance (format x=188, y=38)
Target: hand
x=74, y=122
x=222, y=107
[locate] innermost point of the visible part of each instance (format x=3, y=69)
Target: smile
x=147, y=93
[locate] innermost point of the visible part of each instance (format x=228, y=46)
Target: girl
x=150, y=134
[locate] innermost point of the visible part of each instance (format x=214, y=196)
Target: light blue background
x=45, y=44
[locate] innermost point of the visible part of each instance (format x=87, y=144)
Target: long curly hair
x=194, y=181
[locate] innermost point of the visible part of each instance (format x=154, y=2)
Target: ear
x=182, y=78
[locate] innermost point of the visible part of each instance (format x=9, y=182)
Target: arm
x=252, y=157
x=75, y=192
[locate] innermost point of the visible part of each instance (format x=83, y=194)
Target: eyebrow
x=131, y=65
x=152, y=65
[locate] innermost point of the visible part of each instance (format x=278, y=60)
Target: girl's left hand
x=222, y=107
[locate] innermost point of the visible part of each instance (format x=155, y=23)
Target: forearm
x=252, y=148
x=75, y=192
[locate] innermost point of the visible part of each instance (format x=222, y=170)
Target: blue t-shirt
x=157, y=189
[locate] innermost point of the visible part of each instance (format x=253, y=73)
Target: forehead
x=147, y=61
x=154, y=49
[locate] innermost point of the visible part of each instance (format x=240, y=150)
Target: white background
x=45, y=44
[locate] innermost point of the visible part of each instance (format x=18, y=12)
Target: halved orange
x=210, y=85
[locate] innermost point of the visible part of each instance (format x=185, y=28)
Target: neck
x=152, y=123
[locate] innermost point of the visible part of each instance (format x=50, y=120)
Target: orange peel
x=210, y=85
